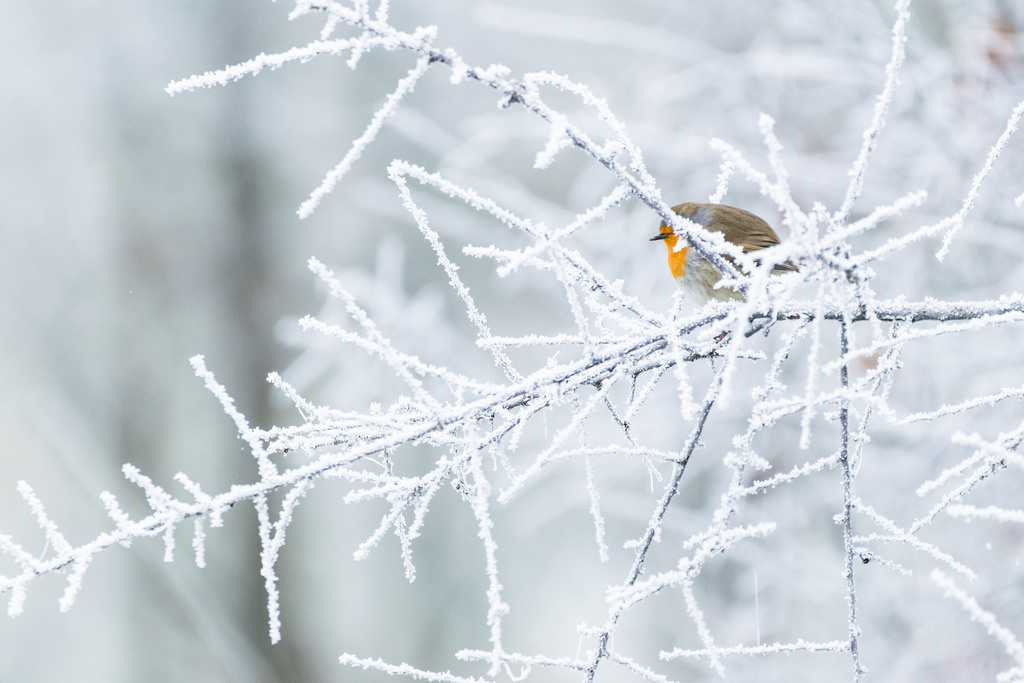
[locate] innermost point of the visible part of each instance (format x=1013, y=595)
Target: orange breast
x=676, y=259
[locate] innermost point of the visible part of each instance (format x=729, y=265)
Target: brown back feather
x=739, y=227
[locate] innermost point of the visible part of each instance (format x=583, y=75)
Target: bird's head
x=676, y=258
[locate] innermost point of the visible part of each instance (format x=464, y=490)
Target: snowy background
x=141, y=229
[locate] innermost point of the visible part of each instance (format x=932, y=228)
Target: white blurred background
x=139, y=229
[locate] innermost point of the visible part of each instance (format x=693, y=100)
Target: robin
x=742, y=228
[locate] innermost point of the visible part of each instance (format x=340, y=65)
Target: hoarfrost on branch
x=810, y=367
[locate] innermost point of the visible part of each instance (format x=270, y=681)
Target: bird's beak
x=661, y=236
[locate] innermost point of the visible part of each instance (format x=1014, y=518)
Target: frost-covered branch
x=822, y=396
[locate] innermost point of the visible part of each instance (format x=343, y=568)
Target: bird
x=695, y=273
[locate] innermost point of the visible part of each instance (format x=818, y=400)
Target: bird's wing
x=756, y=234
